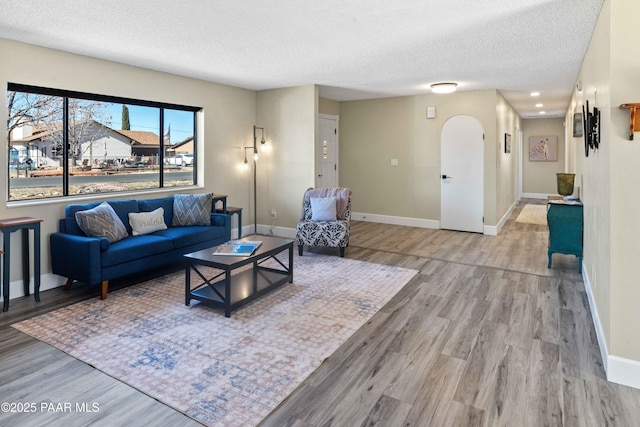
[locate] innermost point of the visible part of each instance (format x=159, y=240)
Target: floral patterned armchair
x=325, y=218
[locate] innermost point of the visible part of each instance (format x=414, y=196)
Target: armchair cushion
x=342, y=196
x=323, y=208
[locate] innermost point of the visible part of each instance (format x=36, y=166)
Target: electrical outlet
x=273, y=214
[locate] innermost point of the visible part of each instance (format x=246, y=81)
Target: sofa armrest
x=222, y=220
x=76, y=257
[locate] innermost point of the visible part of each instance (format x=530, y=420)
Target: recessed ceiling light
x=535, y=93
x=539, y=105
x=542, y=112
x=444, y=87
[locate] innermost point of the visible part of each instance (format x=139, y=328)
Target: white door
x=462, y=175
x=327, y=164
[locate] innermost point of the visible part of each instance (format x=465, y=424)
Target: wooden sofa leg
x=67, y=285
x=300, y=249
x=342, y=251
x=103, y=290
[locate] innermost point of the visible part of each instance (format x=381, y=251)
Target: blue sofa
x=95, y=260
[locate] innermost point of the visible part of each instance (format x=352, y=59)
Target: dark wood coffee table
x=234, y=290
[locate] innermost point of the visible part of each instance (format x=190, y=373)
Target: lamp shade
x=444, y=87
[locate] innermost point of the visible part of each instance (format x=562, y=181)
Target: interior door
x=327, y=165
x=462, y=175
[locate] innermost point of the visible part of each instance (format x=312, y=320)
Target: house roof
x=140, y=137
x=358, y=49
x=181, y=143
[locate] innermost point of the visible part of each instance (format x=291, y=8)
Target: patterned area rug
x=533, y=214
x=222, y=371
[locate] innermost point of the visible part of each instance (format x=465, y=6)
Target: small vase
x=565, y=183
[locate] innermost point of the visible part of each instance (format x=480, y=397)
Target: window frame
x=71, y=94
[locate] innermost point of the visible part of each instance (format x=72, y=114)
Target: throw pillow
x=191, y=209
x=323, y=208
x=101, y=221
x=147, y=222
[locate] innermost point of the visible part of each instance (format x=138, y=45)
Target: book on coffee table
x=238, y=247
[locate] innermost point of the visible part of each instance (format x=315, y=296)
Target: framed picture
x=507, y=143
x=543, y=148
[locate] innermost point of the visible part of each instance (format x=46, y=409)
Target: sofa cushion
x=165, y=203
x=147, y=222
x=191, y=209
x=186, y=236
x=135, y=247
x=122, y=208
x=101, y=221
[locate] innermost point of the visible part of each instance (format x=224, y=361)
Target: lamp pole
x=255, y=176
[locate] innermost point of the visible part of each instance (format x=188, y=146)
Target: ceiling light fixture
x=542, y=112
x=535, y=93
x=444, y=87
x=539, y=105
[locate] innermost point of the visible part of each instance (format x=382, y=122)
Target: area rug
x=533, y=214
x=222, y=371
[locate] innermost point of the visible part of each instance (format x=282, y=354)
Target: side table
x=8, y=226
x=231, y=210
x=566, y=225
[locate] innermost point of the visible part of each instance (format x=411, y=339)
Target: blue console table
x=8, y=226
x=566, y=225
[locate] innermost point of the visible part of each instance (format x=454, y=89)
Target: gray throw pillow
x=101, y=221
x=191, y=209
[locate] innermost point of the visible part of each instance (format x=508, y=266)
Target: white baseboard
x=396, y=220
x=493, y=230
x=267, y=230
x=619, y=370
x=47, y=281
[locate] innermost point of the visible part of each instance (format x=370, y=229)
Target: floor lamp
x=255, y=176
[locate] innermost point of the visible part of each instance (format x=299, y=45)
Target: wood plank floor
x=484, y=335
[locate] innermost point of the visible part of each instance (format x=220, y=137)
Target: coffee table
x=231, y=291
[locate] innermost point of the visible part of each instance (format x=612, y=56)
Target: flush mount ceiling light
x=444, y=87
x=535, y=93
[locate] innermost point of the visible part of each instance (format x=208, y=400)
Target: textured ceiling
x=356, y=49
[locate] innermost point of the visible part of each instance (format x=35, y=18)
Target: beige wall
x=224, y=124
x=507, y=121
x=540, y=177
x=625, y=176
x=289, y=116
x=610, y=177
x=328, y=106
x=594, y=172
x=372, y=132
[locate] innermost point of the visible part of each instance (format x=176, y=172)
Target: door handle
x=446, y=177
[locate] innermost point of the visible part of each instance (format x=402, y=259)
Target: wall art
x=543, y=148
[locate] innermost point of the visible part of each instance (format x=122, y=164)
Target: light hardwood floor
x=484, y=335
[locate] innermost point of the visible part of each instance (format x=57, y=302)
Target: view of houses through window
x=65, y=143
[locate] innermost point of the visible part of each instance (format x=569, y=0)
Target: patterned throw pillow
x=101, y=221
x=147, y=222
x=191, y=209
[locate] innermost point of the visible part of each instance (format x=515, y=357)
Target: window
x=64, y=143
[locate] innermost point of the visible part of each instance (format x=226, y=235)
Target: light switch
x=394, y=162
x=431, y=112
